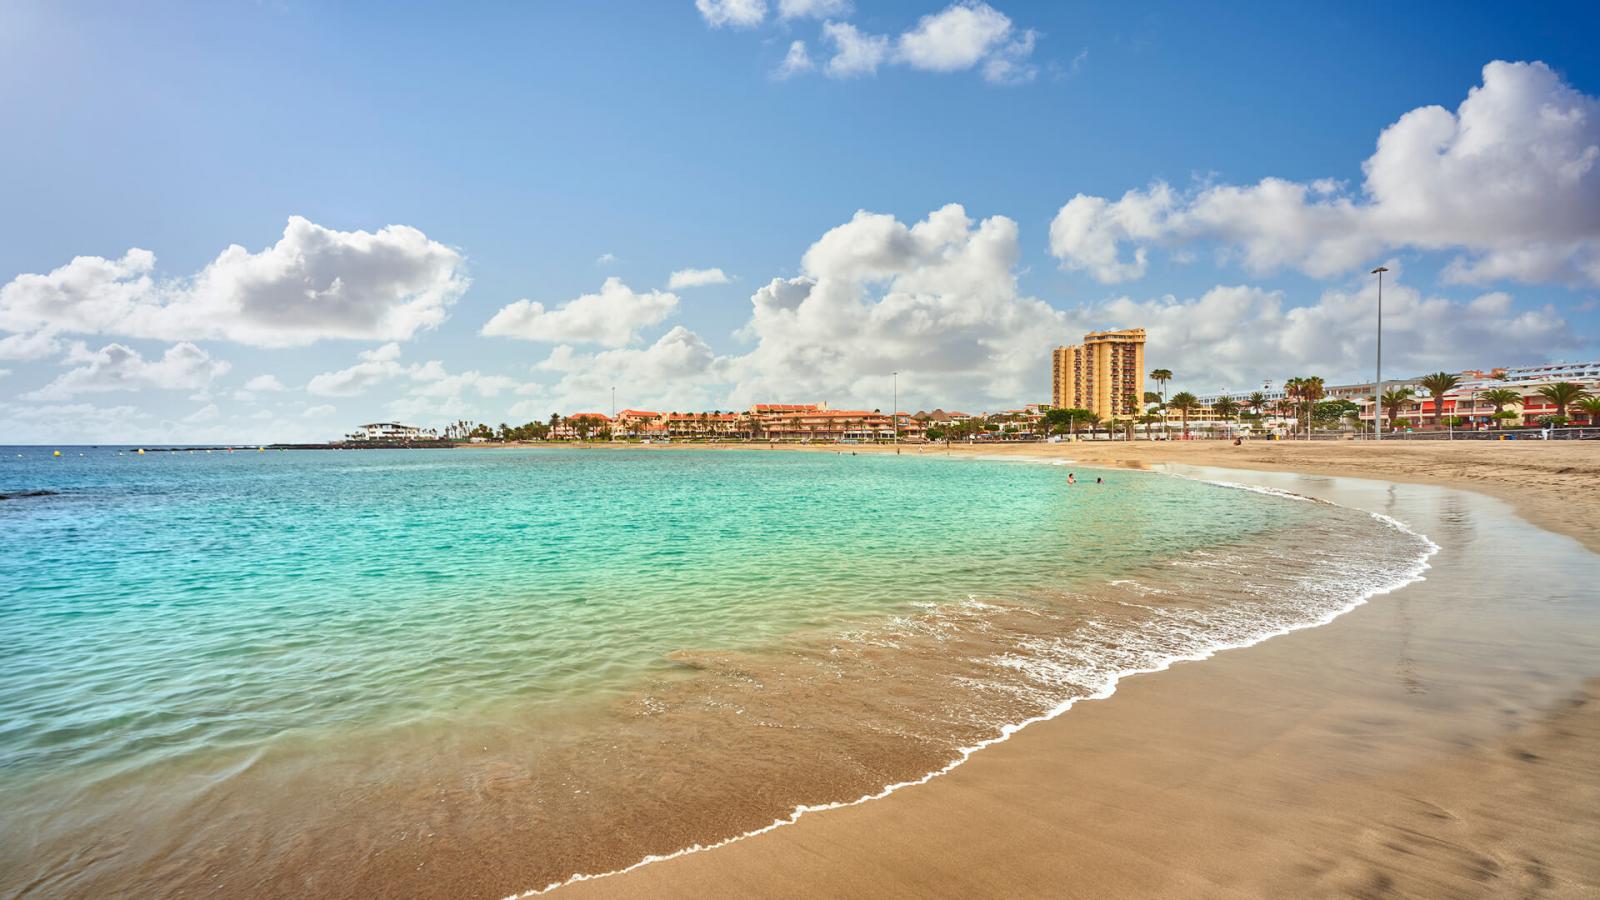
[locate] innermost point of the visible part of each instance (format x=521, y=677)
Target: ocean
x=320, y=671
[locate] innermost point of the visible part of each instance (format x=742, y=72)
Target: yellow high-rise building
x=1104, y=374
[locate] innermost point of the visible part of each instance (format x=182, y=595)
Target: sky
x=276, y=220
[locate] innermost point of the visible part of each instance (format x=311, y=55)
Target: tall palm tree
x=1501, y=398
x=1311, y=391
x=1291, y=394
x=1256, y=401
x=1161, y=377
x=1184, y=402
x=1591, y=408
x=1225, y=407
x=1563, y=393
x=1438, y=384
x=1394, y=399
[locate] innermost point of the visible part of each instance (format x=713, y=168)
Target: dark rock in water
x=18, y=495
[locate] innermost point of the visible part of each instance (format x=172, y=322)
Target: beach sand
x=1441, y=741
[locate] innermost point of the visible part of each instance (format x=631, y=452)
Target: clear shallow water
x=596, y=654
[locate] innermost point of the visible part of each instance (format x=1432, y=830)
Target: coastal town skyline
x=322, y=295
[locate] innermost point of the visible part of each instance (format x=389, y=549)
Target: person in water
x=1070, y=479
x=1099, y=481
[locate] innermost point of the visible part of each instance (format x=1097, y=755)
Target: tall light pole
x=894, y=413
x=1377, y=388
x=613, y=412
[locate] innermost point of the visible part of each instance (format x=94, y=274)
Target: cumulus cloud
x=855, y=53
x=732, y=13
x=678, y=371
x=814, y=9
x=605, y=259
x=1508, y=180
x=373, y=367
x=966, y=34
x=116, y=367
x=687, y=278
x=935, y=300
x=264, y=383
x=314, y=283
x=36, y=345
x=611, y=317
x=795, y=62
x=1234, y=337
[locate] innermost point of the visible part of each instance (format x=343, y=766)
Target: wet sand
x=1441, y=741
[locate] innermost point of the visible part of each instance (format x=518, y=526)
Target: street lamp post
x=1377, y=407
x=894, y=413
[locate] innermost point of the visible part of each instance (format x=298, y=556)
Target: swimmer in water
x=1070, y=479
x=1099, y=481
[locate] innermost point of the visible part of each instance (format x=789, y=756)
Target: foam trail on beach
x=1046, y=662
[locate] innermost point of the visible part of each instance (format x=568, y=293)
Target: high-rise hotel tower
x=1104, y=374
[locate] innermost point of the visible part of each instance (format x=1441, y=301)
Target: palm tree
x=1591, y=408
x=1184, y=402
x=1225, y=407
x=1256, y=401
x=1394, y=399
x=1291, y=393
x=1161, y=377
x=1438, y=384
x=1311, y=390
x=1501, y=398
x=1563, y=393
x=1147, y=420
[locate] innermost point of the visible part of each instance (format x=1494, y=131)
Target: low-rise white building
x=390, y=431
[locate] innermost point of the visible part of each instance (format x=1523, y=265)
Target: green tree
x=1225, y=408
x=1590, y=406
x=1563, y=394
x=1257, y=401
x=1161, y=377
x=1394, y=400
x=1438, y=384
x=1185, y=403
x=1502, y=398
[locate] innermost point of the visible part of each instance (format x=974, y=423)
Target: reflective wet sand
x=1439, y=741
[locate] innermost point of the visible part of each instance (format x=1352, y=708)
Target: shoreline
x=1549, y=483
x=744, y=860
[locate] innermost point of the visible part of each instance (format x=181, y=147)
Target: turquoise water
x=171, y=603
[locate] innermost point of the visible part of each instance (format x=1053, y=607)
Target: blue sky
x=532, y=151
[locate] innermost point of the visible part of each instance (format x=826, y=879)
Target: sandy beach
x=1442, y=741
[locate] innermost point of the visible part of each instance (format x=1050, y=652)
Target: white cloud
x=313, y=284
x=208, y=413
x=4, y=372
x=732, y=13
x=795, y=62
x=813, y=9
x=37, y=345
x=605, y=259
x=854, y=53
x=264, y=383
x=116, y=367
x=317, y=412
x=936, y=301
x=687, y=278
x=957, y=38
x=611, y=317
x=372, y=367
x=678, y=371
x=1509, y=181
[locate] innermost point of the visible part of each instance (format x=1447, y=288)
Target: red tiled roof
x=784, y=407
x=601, y=416
x=639, y=414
